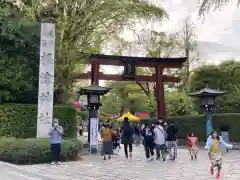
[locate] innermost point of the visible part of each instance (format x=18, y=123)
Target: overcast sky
x=218, y=34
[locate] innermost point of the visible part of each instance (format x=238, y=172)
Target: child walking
x=214, y=147
x=118, y=139
x=193, y=145
x=148, y=134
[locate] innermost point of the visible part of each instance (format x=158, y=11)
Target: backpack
x=106, y=134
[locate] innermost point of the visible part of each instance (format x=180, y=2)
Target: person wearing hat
x=56, y=133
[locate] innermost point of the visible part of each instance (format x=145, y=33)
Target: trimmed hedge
x=20, y=120
x=82, y=114
x=34, y=151
x=197, y=124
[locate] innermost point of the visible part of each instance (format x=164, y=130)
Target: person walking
x=148, y=135
x=214, y=146
x=114, y=137
x=141, y=133
x=137, y=135
x=80, y=130
x=171, y=140
x=160, y=141
x=165, y=125
x=127, y=137
x=193, y=145
x=107, y=145
x=56, y=133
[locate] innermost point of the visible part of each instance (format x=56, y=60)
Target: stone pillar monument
x=46, y=79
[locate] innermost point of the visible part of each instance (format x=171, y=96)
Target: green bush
x=82, y=114
x=33, y=151
x=197, y=124
x=67, y=118
x=20, y=120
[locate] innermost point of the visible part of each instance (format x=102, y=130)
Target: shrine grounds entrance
x=130, y=63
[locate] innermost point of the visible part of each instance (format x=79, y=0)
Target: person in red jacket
x=193, y=145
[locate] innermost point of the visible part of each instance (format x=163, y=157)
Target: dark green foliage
x=188, y=124
x=78, y=34
x=67, y=117
x=197, y=124
x=19, y=55
x=224, y=77
x=83, y=115
x=33, y=151
x=20, y=121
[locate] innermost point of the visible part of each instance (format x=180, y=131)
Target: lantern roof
x=94, y=89
x=207, y=92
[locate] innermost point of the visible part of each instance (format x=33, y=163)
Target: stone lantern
x=207, y=97
x=93, y=93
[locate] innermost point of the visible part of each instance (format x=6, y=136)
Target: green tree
x=82, y=27
x=176, y=106
x=223, y=77
x=125, y=96
x=208, y=5
x=19, y=55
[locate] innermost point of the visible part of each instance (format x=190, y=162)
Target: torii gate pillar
x=95, y=73
x=161, y=111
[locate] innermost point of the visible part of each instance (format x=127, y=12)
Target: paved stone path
x=119, y=168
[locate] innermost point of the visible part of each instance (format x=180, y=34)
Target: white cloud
x=218, y=35
x=221, y=27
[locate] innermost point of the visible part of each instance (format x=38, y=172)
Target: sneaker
x=58, y=163
x=218, y=176
x=130, y=154
x=211, y=171
x=164, y=158
x=52, y=163
x=104, y=157
x=151, y=158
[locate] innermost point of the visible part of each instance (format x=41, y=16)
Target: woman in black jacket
x=127, y=137
x=148, y=135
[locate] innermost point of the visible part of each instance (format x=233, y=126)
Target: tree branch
x=142, y=87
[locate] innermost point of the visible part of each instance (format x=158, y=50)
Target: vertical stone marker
x=46, y=79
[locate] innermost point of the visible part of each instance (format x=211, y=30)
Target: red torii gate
x=130, y=63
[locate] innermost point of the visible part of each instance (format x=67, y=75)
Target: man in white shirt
x=160, y=141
